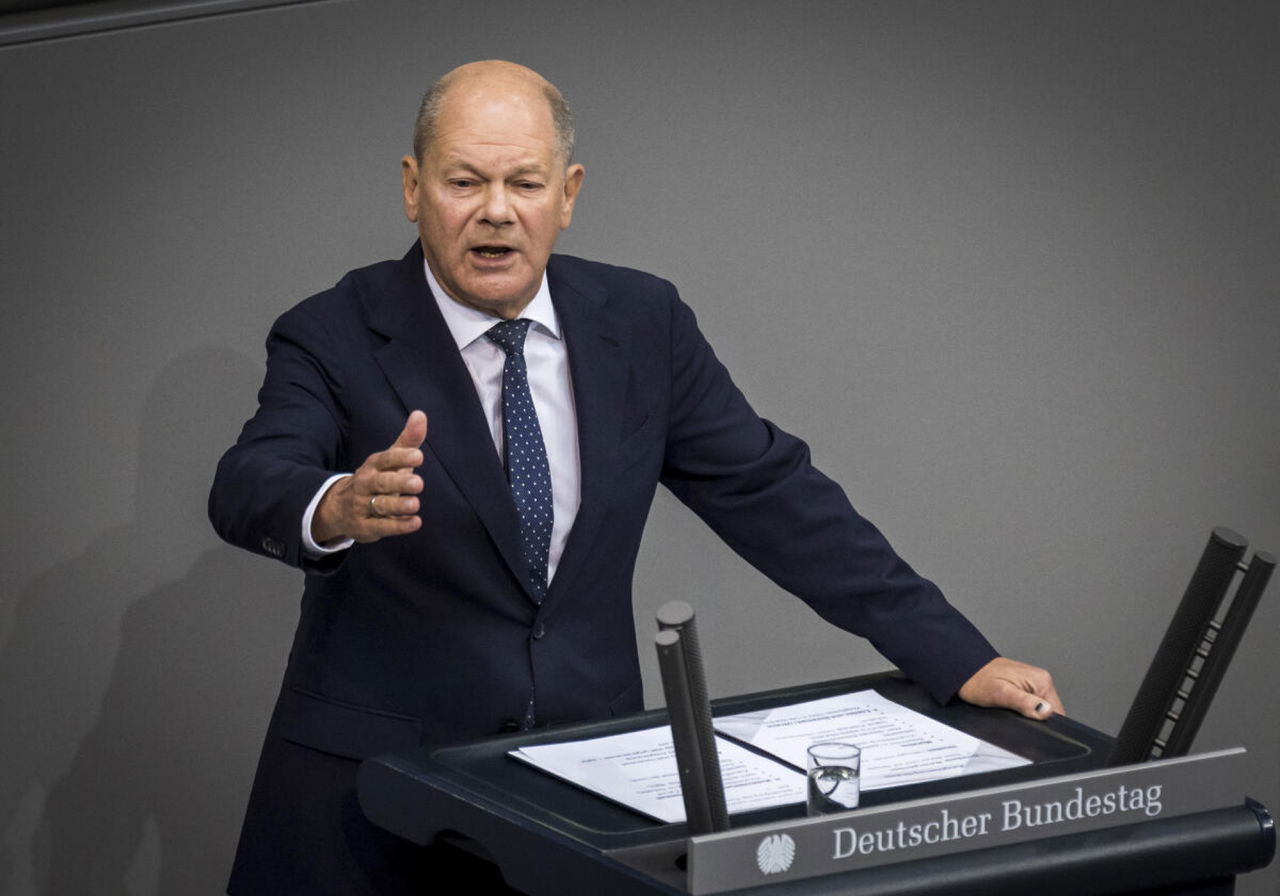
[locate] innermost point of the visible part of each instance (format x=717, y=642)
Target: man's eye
x=461, y=182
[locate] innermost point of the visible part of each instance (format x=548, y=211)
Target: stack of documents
x=762, y=754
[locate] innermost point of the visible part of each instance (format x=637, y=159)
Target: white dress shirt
x=549, y=383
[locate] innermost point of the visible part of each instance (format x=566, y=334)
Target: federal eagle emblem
x=775, y=853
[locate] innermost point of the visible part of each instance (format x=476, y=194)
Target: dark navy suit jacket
x=433, y=637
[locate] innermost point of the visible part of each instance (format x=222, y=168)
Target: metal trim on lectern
x=542, y=831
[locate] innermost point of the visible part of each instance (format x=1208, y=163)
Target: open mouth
x=492, y=251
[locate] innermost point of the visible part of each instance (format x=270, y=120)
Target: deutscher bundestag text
x=1012, y=815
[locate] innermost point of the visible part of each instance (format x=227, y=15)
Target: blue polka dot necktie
x=524, y=453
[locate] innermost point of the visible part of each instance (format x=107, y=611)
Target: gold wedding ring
x=373, y=507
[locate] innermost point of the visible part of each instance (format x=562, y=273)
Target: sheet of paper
x=899, y=745
x=638, y=769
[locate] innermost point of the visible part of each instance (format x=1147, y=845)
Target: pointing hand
x=381, y=497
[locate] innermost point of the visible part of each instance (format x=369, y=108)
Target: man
x=473, y=574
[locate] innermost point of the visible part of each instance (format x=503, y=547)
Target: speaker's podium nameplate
x=976, y=819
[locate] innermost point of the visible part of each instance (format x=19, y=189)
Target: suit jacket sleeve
x=755, y=486
x=288, y=448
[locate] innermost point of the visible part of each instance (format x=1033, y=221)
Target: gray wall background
x=1011, y=268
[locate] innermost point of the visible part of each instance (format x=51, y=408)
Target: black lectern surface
x=543, y=832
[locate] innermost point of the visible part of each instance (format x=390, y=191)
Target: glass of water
x=835, y=771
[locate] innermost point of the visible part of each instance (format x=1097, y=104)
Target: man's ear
x=572, y=184
x=411, y=183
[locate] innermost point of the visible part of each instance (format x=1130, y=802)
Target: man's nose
x=497, y=207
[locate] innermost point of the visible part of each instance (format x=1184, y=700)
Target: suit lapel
x=599, y=369
x=422, y=363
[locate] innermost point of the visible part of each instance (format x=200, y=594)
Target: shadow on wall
x=171, y=678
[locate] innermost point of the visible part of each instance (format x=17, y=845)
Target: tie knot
x=509, y=335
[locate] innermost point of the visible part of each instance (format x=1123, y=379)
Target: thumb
x=414, y=432
x=1026, y=703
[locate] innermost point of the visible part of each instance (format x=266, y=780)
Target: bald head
x=487, y=78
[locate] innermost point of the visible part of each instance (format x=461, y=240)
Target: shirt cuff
x=310, y=549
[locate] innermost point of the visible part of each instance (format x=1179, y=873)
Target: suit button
x=510, y=726
x=538, y=631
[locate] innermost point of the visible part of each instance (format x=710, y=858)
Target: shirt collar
x=467, y=324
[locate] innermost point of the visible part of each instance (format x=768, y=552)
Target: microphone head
x=675, y=614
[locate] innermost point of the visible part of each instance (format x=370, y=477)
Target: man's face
x=490, y=195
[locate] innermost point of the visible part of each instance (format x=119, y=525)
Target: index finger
x=395, y=458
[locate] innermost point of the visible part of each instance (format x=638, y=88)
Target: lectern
x=544, y=833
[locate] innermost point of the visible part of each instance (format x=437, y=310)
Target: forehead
x=506, y=119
